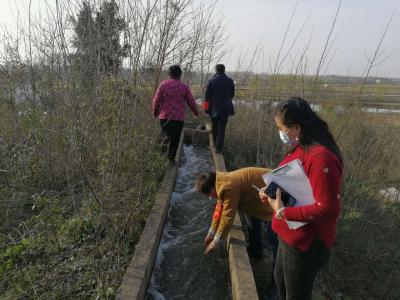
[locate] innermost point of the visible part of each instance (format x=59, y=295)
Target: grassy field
x=78, y=175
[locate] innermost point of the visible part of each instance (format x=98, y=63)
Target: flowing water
x=181, y=269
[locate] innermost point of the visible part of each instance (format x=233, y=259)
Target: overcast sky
x=358, y=30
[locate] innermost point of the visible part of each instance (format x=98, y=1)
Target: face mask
x=286, y=140
x=284, y=137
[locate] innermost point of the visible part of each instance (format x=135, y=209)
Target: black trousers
x=218, y=126
x=295, y=270
x=273, y=241
x=172, y=130
x=255, y=248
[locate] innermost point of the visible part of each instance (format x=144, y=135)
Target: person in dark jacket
x=219, y=92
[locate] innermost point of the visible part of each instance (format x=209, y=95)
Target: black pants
x=218, y=126
x=255, y=248
x=172, y=130
x=273, y=241
x=295, y=270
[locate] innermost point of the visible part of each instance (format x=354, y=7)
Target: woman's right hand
x=263, y=196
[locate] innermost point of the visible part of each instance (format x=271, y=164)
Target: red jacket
x=325, y=171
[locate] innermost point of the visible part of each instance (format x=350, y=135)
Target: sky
x=357, y=33
x=261, y=25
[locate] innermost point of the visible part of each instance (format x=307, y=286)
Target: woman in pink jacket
x=169, y=106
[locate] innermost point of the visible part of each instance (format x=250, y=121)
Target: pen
x=255, y=187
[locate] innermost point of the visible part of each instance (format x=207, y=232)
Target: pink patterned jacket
x=169, y=100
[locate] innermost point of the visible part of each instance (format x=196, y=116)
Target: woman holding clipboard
x=304, y=251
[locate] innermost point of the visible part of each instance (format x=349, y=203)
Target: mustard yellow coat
x=235, y=193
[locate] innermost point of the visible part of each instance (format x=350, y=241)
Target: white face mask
x=286, y=140
x=284, y=137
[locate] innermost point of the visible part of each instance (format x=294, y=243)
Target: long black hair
x=314, y=130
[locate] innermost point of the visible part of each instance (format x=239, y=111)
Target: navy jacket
x=219, y=92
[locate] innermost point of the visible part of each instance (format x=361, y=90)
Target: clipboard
x=291, y=177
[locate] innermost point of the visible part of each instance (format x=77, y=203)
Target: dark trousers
x=295, y=270
x=218, y=126
x=273, y=241
x=172, y=130
x=255, y=248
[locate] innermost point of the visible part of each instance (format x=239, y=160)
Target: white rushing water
x=181, y=269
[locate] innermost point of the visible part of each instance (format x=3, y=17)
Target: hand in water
x=211, y=247
x=207, y=240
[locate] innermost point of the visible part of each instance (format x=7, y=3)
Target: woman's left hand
x=276, y=203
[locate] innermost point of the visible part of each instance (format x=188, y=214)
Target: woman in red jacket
x=304, y=251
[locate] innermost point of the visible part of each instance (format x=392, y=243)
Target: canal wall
x=137, y=277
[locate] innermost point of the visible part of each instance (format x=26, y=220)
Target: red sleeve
x=157, y=102
x=325, y=175
x=216, y=217
x=218, y=211
x=230, y=204
x=190, y=101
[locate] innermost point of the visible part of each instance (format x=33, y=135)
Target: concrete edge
x=137, y=277
x=241, y=274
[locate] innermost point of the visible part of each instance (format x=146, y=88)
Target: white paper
x=291, y=178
